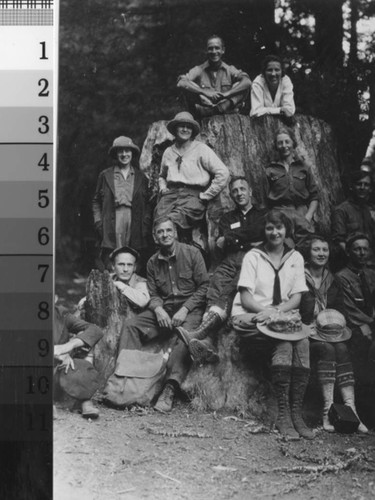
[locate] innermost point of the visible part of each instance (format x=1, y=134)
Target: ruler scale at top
x=26, y=242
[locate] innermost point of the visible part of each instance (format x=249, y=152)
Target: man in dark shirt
x=239, y=230
x=214, y=87
x=177, y=281
x=354, y=214
x=358, y=283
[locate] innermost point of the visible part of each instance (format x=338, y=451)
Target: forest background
x=119, y=62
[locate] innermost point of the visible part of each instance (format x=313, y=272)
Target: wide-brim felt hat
x=124, y=249
x=330, y=327
x=181, y=118
x=122, y=142
x=291, y=336
x=82, y=382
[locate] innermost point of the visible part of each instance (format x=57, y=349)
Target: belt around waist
x=181, y=185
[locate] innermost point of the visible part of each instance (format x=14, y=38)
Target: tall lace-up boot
x=281, y=378
x=300, y=379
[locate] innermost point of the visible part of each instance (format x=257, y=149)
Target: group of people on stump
x=273, y=262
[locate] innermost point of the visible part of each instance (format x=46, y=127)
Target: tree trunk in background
x=108, y=309
x=246, y=146
x=329, y=33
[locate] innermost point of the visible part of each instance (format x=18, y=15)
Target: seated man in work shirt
x=177, y=280
x=214, y=87
x=239, y=230
x=358, y=283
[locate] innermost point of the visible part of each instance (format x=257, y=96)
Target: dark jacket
x=335, y=300
x=103, y=208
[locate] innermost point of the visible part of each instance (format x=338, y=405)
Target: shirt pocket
x=275, y=177
x=185, y=281
x=299, y=182
x=225, y=84
x=352, y=226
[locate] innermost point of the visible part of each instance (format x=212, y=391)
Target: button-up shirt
x=242, y=229
x=354, y=300
x=351, y=217
x=177, y=280
x=221, y=79
x=123, y=187
x=296, y=187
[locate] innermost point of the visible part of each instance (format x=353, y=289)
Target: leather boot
x=300, y=379
x=327, y=378
x=89, y=410
x=281, y=378
x=345, y=381
x=164, y=403
x=203, y=351
x=212, y=320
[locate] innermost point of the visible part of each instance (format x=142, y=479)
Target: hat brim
x=82, y=382
x=113, y=150
x=171, y=126
x=291, y=336
x=345, y=335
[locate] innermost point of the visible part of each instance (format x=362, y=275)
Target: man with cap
x=214, y=87
x=358, y=283
x=74, y=373
x=177, y=281
x=354, y=214
x=191, y=175
x=121, y=209
x=129, y=284
x=240, y=230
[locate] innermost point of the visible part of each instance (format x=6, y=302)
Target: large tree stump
x=239, y=381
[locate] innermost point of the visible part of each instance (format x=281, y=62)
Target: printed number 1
x=43, y=44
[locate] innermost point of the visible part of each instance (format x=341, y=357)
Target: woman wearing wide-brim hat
x=271, y=282
x=191, y=175
x=121, y=202
x=322, y=307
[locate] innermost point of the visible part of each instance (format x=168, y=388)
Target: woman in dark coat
x=329, y=347
x=121, y=210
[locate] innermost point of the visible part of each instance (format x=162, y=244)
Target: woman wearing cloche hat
x=120, y=204
x=323, y=307
x=191, y=175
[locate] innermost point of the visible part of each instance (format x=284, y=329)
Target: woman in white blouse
x=271, y=282
x=272, y=91
x=191, y=175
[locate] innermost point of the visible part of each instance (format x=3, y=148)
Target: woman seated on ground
x=191, y=175
x=328, y=346
x=271, y=283
x=272, y=91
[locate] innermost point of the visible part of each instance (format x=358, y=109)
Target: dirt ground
x=187, y=455
x=143, y=455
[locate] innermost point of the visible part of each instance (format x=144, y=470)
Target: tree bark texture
x=107, y=308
